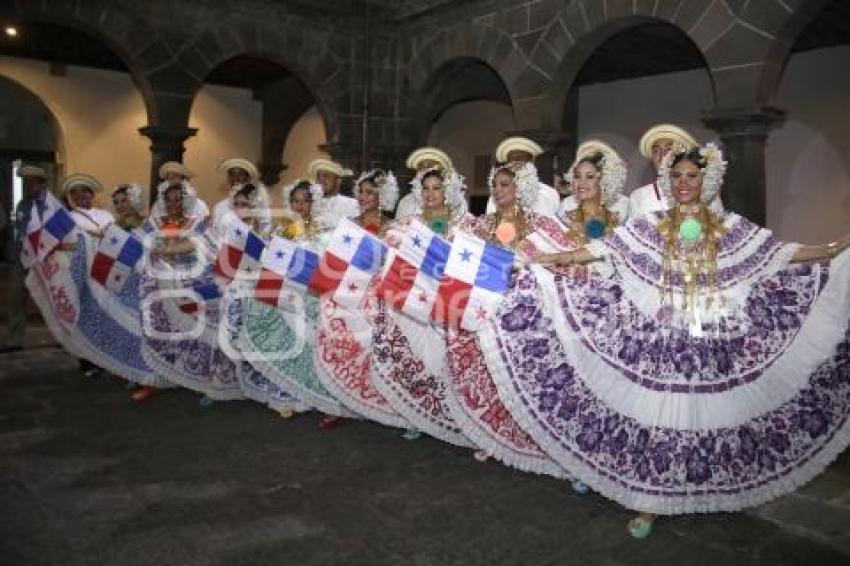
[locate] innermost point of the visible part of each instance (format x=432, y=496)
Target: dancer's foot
x=481, y=455
x=330, y=421
x=641, y=526
x=580, y=487
x=206, y=401
x=144, y=393
x=411, y=434
x=286, y=413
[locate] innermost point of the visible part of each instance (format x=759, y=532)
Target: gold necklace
x=584, y=227
x=437, y=219
x=376, y=227
x=691, y=236
x=503, y=223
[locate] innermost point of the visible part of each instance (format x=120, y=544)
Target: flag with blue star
x=414, y=275
x=351, y=259
x=474, y=282
x=118, y=255
x=286, y=270
x=240, y=253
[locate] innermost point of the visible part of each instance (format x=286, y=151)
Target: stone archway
x=30, y=126
x=317, y=60
x=465, y=109
x=266, y=103
x=432, y=67
x=807, y=165
x=625, y=77
x=126, y=35
x=776, y=58
x=460, y=80
x=29, y=133
x=582, y=51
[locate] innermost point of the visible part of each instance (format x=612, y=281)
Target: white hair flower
x=454, y=189
x=525, y=178
x=712, y=166
x=134, y=195
x=612, y=168
x=387, y=187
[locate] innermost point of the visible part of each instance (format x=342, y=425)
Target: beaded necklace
x=691, y=236
x=437, y=220
x=508, y=229
x=584, y=228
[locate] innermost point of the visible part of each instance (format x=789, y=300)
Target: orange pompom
x=171, y=229
x=506, y=233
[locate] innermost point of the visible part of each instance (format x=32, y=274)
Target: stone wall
x=534, y=48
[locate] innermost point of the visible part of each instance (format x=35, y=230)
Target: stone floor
x=86, y=477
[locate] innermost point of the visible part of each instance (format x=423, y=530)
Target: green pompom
x=439, y=225
x=690, y=230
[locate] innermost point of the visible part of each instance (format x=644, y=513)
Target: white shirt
x=546, y=203
x=406, y=207
x=201, y=208
x=222, y=217
x=645, y=200
x=93, y=219
x=337, y=207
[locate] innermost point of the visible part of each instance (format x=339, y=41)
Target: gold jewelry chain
x=699, y=259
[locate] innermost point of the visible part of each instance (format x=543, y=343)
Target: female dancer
x=707, y=373
x=408, y=358
x=474, y=400
x=280, y=343
x=344, y=335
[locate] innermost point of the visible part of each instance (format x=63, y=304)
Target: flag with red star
x=350, y=261
x=240, y=251
x=412, y=280
x=117, y=257
x=286, y=270
x=474, y=282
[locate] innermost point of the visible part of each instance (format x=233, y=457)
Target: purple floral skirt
x=666, y=423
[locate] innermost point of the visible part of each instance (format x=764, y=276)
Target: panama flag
x=348, y=264
x=287, y=269
x=413, y=278
x=57, y=226
x=240, y=251
x=116, y=258
x=197, y=293
x=475, y=280
x=29, y=250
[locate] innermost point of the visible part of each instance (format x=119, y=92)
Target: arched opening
x=807, y=164
x=467, y=110
x=93, y=99
x=30, y=134
x=625, y=79
x=253, y=107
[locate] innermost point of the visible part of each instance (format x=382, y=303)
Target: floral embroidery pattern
x=406, y=377
x=665, y=461
x=659, y=354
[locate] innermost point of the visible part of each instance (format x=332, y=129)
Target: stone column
x=284, y=100
x=743, y=133
x=166, y=145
